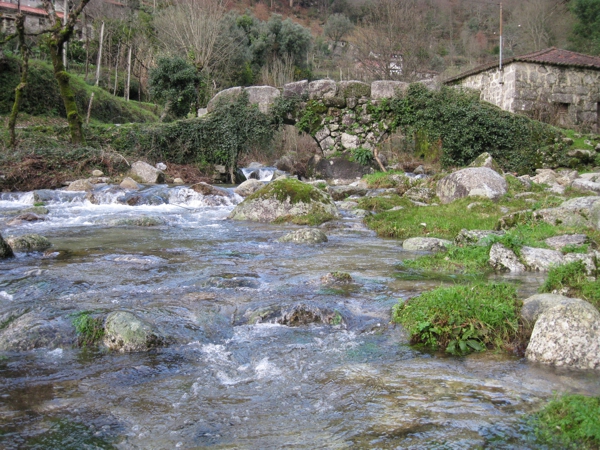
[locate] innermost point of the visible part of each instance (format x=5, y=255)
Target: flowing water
x=232, y=376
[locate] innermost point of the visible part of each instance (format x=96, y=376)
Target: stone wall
x=571, y=94
x=343, y=114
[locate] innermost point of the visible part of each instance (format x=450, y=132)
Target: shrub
x=90, y=330
x=462, y=319
x=570, y=422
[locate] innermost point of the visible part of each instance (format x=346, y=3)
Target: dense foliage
x=569, y=422
x=462, y=319
x=465, y=127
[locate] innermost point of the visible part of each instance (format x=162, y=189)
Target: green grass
x=384, y=203
x=573, y=276
x=462, y=319
x=381, y=180
x=90, y=330
x=569, y=422
x=578, y=142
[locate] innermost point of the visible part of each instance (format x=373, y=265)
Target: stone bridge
x=338, y=115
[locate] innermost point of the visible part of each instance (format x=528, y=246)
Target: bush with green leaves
x=467, y=127
x=462, y=319
x=362, y=155
x=176, y=83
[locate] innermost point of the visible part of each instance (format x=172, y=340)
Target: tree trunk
x=12, y=121
x=100, y=54
x=117, y=69
x=128, y=75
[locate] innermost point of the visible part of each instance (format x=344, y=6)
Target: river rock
x=343, y=192
x=336, y=278
x=541, y=259
x=538, y=304
x=28, y=243
x=420, y=194
x=475, y=237
x=207, y=189
x=80, y=185
x=567, y=335
x=471, y=182
x=579, y=211
x=130, y=183
x=248, y=187
x=125, y=332
x=26, y=217
x=586, y=185
x=34, y=330
x=558, y=242
x=503, y=259
x=425, y=244
x=305, y=236
x=486, y=160
x=286, y=199
x=146, y=173
x=303, y=314
x=6, y=250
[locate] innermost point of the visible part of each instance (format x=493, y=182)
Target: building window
x=42, y=22
x=562, y=109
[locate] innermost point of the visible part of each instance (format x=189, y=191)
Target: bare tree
x=59, y=35
x=194, y=29
x=393, y=38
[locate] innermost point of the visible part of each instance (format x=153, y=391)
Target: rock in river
x=287, y=200
x=125, y=332
x=305, y=236
x=28, y=243
x=6, y=250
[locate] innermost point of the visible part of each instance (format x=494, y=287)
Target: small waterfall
x=259, y=173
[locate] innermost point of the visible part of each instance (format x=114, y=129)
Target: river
x=232, y=376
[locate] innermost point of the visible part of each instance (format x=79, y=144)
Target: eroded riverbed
x=232, y=377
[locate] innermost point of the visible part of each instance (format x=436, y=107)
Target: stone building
x=36, y=18
x=553, y=85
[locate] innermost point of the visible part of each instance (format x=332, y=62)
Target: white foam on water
x=6, y=296
x=266, y=369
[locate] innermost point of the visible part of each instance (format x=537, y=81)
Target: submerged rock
x=34, y=330
x=125, y=332
x=471, y=182
x=567, y=335
x=305, y=236
x=142, y=221
x=303, y=314
x=28, y=243
x=26, y=217
x=207, y=189
x=425, y=244
x=6, y=250
x=286, y=200
x=336, y=278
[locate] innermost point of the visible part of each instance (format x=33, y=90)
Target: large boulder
x=558, y=242
x=322, y=89
x=541, y=259
x=486, y=160
x=226, y=95
x=6, y=250
x=471, y=182
x=297, y=89
x=538, y=304
x=305, y=236
x=387, y=89
x=263, y=96
x=286, y=199
x=424, y=244
x=28, y=243
x=567, y=335
x=147, y=173
x=125, y=332
x=586, y=185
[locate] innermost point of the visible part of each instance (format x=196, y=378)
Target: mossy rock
x=125, y=332
x=28, y=243
x=6, y=250
x=348, y=89
x=287, y=200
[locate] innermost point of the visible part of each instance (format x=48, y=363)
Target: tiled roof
x=553, y=56
x=27, y=9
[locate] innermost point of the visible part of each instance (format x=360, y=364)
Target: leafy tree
x=586, y=32
x=175, y=82
x=336, y=27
